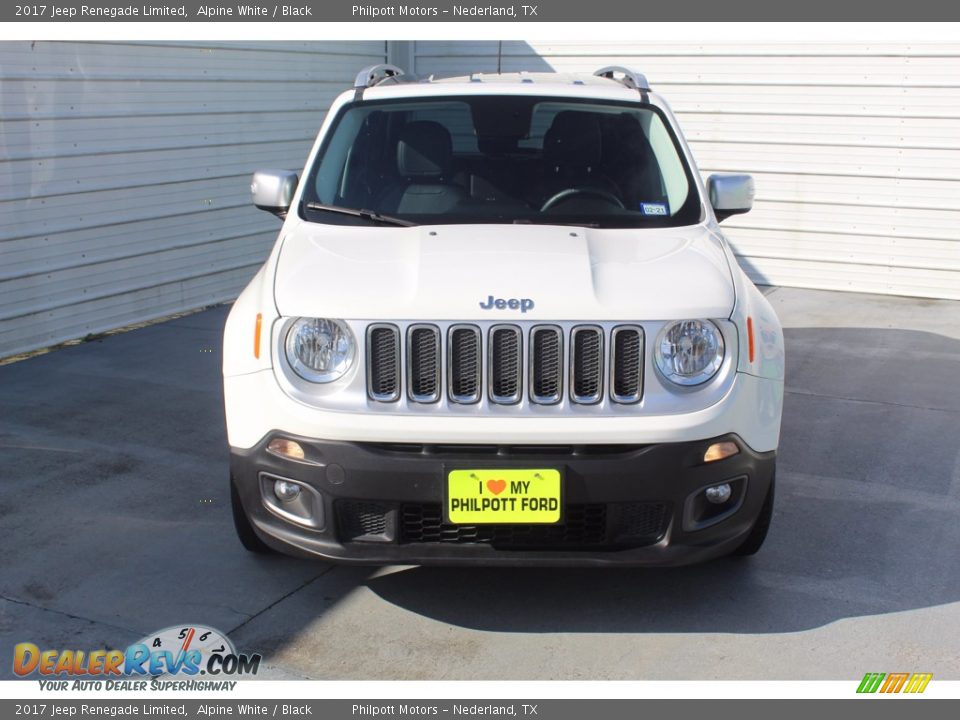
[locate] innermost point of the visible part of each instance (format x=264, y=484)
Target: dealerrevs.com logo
x=170, y=659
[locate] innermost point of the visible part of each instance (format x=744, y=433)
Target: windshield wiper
x=371, y=215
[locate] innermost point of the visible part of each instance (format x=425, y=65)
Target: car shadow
x=130, y=463
x=866, y=520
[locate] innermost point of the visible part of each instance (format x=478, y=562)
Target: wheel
x=758, y=534
x=248, y=537
x=570, y=193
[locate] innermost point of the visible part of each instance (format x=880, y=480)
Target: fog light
x=292, y=500
x=720, y=451
x=718, y=494
x=288, y=491
x=286, y=448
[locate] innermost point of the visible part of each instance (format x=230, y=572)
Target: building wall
x=855, y=148
x=124, y=181
x=124, y=167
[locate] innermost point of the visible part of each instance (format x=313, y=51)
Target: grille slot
x=642, y=521
x=423, y=363
x=506, y=364
x=586, y=364
x=383, y=362
x=464, y=364
x=362, y=520
x=626, y=364
x=546, y=365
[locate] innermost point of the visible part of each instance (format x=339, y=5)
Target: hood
x=496, y=272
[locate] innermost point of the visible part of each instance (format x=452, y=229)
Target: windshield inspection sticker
x=653, y=208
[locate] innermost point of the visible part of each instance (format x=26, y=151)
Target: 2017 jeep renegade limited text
x=500, y=325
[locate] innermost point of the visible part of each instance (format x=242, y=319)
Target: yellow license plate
x=503, y=496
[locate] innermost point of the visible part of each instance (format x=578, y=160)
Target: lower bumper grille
x=588, y=527
x=591, y=526
x=584, y=525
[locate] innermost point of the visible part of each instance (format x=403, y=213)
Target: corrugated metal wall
x=124, y=193
x=124, y=181
x=855, y=148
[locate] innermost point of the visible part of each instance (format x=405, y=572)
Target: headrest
x=425, y=150
x=623, y=139
x=573, y=139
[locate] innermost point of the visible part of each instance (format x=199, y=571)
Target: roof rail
x=375, y=74
x=631, y=78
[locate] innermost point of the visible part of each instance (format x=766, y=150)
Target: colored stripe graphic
x=918, y=682
x=894, y=682
x=870, y=682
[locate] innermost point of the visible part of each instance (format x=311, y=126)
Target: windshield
x=501, y=159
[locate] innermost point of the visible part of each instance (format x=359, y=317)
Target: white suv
x=500, y=325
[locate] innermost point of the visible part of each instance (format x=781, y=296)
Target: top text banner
x=444, y=11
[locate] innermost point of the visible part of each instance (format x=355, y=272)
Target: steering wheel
x=565, y=195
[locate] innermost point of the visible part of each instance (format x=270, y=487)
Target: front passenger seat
x=425, y=164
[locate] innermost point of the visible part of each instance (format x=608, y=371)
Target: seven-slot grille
x=492, y=363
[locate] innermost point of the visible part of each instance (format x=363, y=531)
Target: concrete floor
x=115, y=522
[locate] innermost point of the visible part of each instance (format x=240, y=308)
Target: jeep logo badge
x=521, y=304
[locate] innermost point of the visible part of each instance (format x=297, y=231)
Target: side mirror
x=273, y=190
x=730, y=194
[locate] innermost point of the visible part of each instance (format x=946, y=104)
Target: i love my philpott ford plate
x=529, y=496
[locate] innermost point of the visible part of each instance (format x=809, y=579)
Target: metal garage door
x=124, y=190
x=855, y=148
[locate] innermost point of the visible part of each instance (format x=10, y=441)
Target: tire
x=248, y=536
x=758, y=533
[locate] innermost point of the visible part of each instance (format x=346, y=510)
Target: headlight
x=320, y=350
x=689, y=352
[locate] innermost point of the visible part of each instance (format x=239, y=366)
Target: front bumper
x=256, y=406
x=381, y=503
